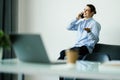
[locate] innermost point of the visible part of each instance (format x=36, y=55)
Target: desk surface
x=15, y=66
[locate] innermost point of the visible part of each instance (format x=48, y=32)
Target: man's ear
x=92, y=13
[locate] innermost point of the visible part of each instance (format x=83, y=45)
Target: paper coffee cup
x=71, y=56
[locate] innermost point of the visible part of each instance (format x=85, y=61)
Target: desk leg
x=61, y=78
x=21, y=76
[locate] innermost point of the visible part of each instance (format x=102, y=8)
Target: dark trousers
x=83, y=50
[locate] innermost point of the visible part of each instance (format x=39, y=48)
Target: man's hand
x=80, y=16
x=87, y=29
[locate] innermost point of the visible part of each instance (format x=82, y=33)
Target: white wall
x=51, y=17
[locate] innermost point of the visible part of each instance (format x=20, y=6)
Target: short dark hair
x=92, y=7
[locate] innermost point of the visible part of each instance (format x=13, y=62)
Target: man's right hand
x=80, y=15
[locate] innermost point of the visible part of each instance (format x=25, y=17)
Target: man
x=87, y=32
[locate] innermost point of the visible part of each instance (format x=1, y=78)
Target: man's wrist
x=77, y=18
x=88, y=31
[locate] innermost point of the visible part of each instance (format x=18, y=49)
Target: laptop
x=30, y=48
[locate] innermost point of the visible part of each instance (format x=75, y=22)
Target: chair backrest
x=112, y=50
x=97, y=57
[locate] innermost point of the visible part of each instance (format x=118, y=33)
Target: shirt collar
x=88, y=19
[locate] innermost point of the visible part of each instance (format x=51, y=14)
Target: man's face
x=87, y=12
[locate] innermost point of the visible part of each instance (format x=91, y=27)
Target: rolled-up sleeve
x=74, y=25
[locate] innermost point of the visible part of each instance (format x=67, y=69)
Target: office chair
x=97, y=57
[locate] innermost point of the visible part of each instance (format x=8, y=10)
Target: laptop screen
x=29, y=48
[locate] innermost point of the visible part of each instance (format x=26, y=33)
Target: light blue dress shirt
x=83, y=37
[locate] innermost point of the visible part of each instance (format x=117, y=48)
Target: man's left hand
x=87, y=29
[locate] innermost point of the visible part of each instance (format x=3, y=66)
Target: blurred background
x=51, y=17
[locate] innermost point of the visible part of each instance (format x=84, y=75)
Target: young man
x=87, y=32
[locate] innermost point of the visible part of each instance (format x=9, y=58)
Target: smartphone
x=82, y=15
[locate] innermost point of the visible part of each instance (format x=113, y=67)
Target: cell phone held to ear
x=81, y=15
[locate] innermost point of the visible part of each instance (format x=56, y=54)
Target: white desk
x=14, y=66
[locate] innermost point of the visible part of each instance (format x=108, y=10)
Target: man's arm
x=93, y=33
x=74, y=24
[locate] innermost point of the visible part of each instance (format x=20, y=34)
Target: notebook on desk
x=30, y=48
